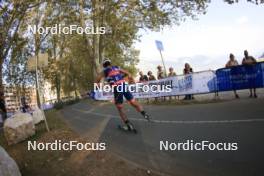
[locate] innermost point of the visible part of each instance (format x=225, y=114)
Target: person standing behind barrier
x=142, y=78
x=250, y=61
x=160, y=73
x=171, y=72
x=151, y=77
x=231, y=63
x=188, y=70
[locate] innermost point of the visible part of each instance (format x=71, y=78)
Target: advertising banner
x=240, y=77
x=196, y=83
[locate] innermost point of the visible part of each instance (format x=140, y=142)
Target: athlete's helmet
x=106, y=62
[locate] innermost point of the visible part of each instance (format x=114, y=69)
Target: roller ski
x=146, y=116
x=128, y=127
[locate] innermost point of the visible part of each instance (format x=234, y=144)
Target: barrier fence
x=224, y=79
x=240, y=77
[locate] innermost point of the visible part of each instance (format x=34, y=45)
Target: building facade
x=13, y=97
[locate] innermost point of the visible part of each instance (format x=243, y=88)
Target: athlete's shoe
x=130, y=126
x=125, y=127
x=147, y=117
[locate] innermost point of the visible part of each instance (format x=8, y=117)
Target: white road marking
x=176, y=121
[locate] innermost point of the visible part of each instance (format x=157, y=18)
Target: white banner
x=196, y=83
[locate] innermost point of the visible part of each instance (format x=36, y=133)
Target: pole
x=163, y=63
x=38, y=94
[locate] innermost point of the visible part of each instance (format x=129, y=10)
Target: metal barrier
x=240, y=77
x=224, y=79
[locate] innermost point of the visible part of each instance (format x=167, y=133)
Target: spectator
x=249, y=60
x=3, y=107
x=142, y=77
x=188, y=70
x=231, y=63
x=150, y=76
x=171, y=72
x=160, y=73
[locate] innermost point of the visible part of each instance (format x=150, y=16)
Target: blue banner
x=159, y=45
x=240, y=77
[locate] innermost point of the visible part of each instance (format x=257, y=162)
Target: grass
x=54, y=120
x=66, y=163
x=38, y=162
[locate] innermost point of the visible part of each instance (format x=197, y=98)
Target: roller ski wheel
x=128, y=127
x=147, y=117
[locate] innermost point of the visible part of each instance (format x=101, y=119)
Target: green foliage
x=12, y=44
x=74, y=60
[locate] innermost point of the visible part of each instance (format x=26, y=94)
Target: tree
x=12, y=15
x=16, y=71
x=75, y=59
x=127, y=18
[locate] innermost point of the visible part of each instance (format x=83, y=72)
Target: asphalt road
x=236, y=121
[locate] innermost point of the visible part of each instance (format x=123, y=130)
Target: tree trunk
x=103, y=14
x=36, y=73
x=96, y=37
x=58, y=87
x=75, y=89
x=1, y=74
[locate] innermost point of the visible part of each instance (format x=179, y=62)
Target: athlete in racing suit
x=115, y=77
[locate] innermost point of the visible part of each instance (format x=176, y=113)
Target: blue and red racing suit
x=114, y=77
